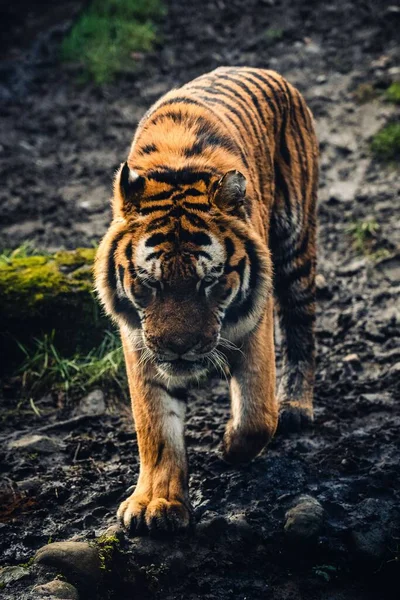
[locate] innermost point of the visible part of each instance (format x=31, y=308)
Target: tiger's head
x=181, y=267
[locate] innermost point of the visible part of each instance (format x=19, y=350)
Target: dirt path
x=59, y=147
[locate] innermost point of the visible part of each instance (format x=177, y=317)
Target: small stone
x=37, y=443
x=320, y=282
x=11, y=574
x=353, y=361
x=78, y=561
x=353, y=267
x=303, y=522
x=56, y=589
x=93, y=404
x=352, y=358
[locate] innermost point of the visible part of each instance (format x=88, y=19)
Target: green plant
x=392, y=94
x=45, y=368
x=324, y=571
x=385, y=144
x=26, y=249
x=364, y=233
x=108, y=32
x=273, y=34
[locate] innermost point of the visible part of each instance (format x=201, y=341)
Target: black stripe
x=158, y=223
x=184, y=176
x=282, y=187
x=251, y=95
x=199, y=238
x=201, y=206
x=284, y=281
x=198, y=253
x=207, y=140
x=161, y=196
x=195, y=220
x=153, y=255
x=121, y=274
x=179, y=100
x=128, y=251
x=229, y=248
x=239, y=311
x=177, y=117
x=147, y=210
x=264, y=80
x=148, y=149
x=159, y=238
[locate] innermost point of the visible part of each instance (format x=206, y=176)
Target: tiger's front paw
x=140, y=514
x=241, y=446
x=294, y=416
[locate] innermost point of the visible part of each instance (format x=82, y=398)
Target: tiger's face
x=181, y=270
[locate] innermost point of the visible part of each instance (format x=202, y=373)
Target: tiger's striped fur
x=213, y=212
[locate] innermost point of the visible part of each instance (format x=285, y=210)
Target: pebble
x=78, y=561
x=36, y=443
x=56, y=589
x=303, y=522
x=93, y=404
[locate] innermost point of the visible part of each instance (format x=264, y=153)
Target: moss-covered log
x=42, y=294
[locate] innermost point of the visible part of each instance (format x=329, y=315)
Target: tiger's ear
x=128, y=190
x=230, y=194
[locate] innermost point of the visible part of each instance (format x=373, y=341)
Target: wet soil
x=60, y=143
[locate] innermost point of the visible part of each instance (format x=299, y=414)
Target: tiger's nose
x=180, y=344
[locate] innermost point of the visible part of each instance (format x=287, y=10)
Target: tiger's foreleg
x=160, y=502
x=253, y=404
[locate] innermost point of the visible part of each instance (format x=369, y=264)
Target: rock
x=212, y=525
x=78, y=561
x=11, y=574
x=93, y=404
x=353, y=267
x=374, y=524
x=37, y=443
x=303, y=522
x=353, y=360
x=343, y=191
x=56, y=589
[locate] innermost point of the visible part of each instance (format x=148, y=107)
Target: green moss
x=392, y=94
x=41, y=294
x=385, y=144
x=77, y=258
x=106, y=547
x=27, y=564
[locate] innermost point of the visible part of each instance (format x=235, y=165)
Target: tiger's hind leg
x=294, y=282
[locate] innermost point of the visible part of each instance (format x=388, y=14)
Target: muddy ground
x=59, y=146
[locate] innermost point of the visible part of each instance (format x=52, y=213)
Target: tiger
x=213, y=233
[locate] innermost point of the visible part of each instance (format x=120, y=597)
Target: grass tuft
x=385, y=144
x=26, y=249
x=108, y=32
x=45, y=368
x=364, y=235
x=392, y=94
